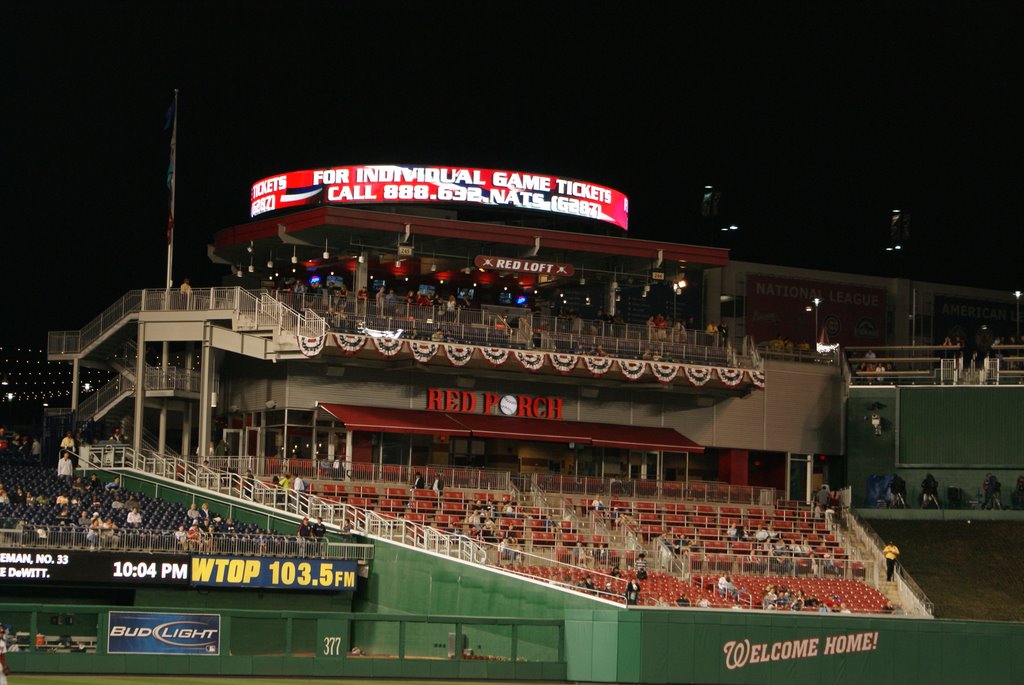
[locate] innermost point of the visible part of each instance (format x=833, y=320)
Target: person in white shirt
x=65, y=469
x=134, y=518
x=298, y=485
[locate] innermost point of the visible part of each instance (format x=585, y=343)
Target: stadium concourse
x=464, y=427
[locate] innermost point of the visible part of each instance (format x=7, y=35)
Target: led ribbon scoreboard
x=461, y=185
x=54, y=567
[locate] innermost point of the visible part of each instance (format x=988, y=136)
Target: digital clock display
x=54, y=567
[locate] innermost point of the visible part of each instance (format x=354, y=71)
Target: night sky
x=814, y=119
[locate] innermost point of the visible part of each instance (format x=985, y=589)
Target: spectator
x=65, y=469
x=418, y=482
x=641, y=566
x=632, y=593
x=726, y=587
x=134, y=519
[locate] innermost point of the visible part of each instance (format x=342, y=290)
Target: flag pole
x=172, y=182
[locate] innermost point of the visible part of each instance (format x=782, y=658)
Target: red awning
x=488, y=426
x=419, y=421
x=387, y=420
x=641, y=438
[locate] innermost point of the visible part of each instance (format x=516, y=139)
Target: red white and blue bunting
x=698, y=375
x=348, y=343
x=563, y=363
x=598, y=366
x=730, y=377
x=531, y=361
x=423, y=352
x=665, y=373
x=631, y=368
x=310, y=347
x=388, y=347
x=458, y=355
x=496, y=356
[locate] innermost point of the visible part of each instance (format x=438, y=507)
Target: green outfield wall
x=957, y=434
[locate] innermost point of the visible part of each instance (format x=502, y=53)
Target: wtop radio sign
x=131, y=632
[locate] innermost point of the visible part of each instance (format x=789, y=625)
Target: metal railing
x=803, y=353
x=244, y=305
x=912, y=597
x=691, y=491
x=787, y=565
x=388, y=474
x=495, y=327
x=168, y=542
x=910, y=364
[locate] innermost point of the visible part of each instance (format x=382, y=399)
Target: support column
x=186, y=430
x=189, y=412
x=733, y=466
x=205, y=391
x=162, y=433
x=140, y=388
x=75, y=382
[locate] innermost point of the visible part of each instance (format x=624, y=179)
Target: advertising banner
x=959, y=317
x=273, y=573
x=776, y=307
x=136, y=632
x=462, y=185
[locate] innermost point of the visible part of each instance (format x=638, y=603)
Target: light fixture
x=10, y=396
x=251, y=267
x=681, y=283
x=87, y=386
x=5, y=381
x=442, y=281
x=270, y=260
x=249, y=249
x=327, y=253
x=647, y=288
x=239, y=272
x=583, y=280
x=361, y=259
x=433, y=268
x=295, y=259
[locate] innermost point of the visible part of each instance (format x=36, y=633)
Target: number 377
x=332, y=646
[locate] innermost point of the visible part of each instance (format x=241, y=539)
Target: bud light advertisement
x=131, y=632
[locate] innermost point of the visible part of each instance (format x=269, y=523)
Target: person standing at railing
x=67, y=443
x=186, y=292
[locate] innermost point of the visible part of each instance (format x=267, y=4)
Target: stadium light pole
x=816, y=301
x=1016, y=293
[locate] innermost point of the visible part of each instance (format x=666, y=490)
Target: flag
x=171, y=111
x=172, y=123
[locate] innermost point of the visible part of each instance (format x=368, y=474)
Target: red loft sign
x=526, y=266
x=465, y=402
x=425, y=185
